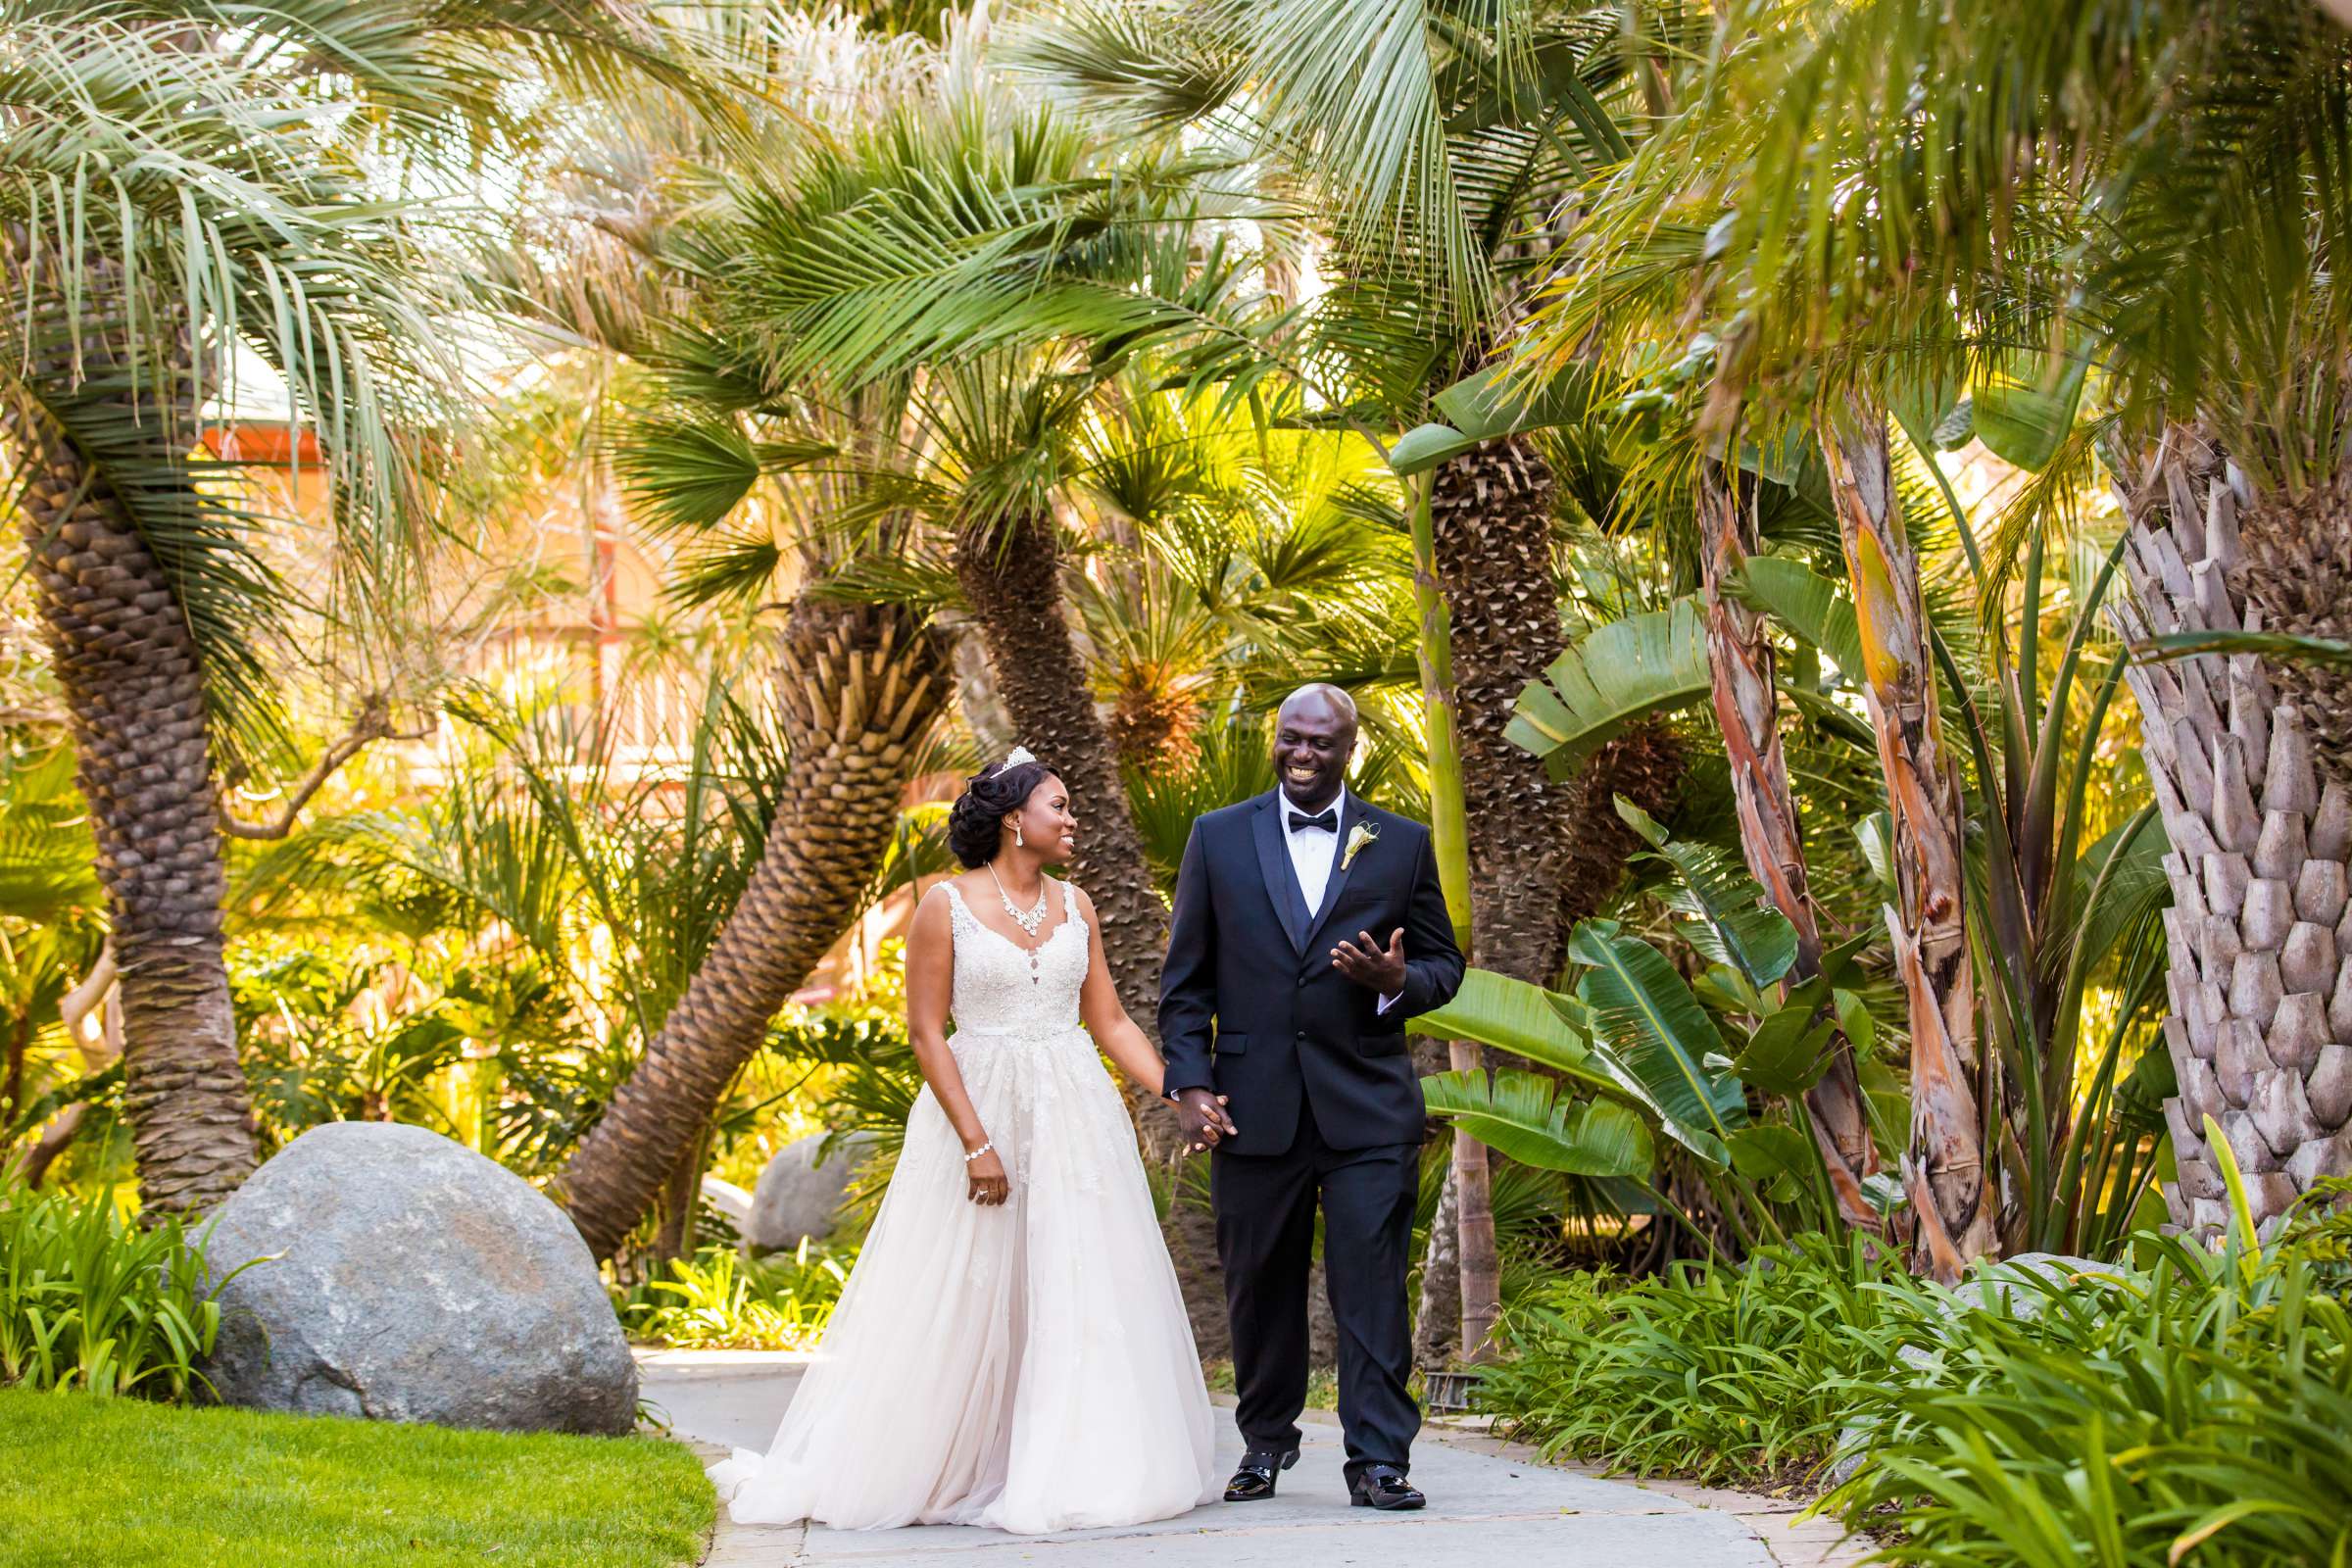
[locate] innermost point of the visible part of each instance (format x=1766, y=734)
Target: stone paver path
x=1492, y=1505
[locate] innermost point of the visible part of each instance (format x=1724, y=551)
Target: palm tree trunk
x=1470, y=1178
x=1542, y=853
x=134, y=692
x=1739, y=660
x=1436, y=1321
x=1945, y=1169
x=2259, y=948
x=856, y=689
x=673, y=1237
x=1012, y=576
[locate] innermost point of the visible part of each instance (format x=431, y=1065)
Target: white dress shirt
x=1315, y=853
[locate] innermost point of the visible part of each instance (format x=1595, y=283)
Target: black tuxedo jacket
x=1250, y=1003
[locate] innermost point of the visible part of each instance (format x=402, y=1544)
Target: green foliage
x=91, y=1300
x=717, y=1300
x=2198, y=1412
x=1525, y=1021
x=1650, y=1027
x=1516, y=1113
x=536, y=917
x=1723, y=1373
x=1721, y=909
x=141, y=1486
x=1234, y=761
x=871, y=1080
x=46, y=874
x=1625, y=671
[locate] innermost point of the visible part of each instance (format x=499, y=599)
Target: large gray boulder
x=797, y=1197
x=410, y=1279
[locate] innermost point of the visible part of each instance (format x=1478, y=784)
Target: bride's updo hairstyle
x=976, y=822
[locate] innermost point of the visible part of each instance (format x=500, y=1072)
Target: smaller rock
x=799, y=1195
x=729, y=1200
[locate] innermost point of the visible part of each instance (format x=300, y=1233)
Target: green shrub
x=90, y=1299
x=1723, y=1373
x=715, y=1300
x=2195, y=1409
x=2198, y=1412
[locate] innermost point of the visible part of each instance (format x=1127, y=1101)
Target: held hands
x=1201, y=1117
x=1382, y=969
x=988, y=1184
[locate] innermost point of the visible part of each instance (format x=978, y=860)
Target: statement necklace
x=1028, y=920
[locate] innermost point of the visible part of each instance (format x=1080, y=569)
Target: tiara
x=1016, y=757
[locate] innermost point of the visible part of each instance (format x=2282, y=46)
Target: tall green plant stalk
x=1449, y=834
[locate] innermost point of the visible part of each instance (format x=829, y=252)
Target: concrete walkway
x=1492, y=1505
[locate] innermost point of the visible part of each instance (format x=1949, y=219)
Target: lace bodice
x=1002, y=988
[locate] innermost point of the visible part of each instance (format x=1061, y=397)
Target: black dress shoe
x=1383, y=1486
x=1255, y=1479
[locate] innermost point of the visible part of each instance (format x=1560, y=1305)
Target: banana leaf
x=1522, y=1115
x=1785, y=1054
x=1495, y=401
x=2019, y=422
x=1512, y=1015
x=1809, y=605
x=1626, y=671
x=1651, y=1031
x=1729, y=923
x=1776, y=1156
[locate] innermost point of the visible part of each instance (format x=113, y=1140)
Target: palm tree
x=1905, y=196
x=963, y=243
x=1428, y=154
x=169, y=198
x=856, y=689
x=859, y=686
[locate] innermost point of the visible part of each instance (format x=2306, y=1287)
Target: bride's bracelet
x=977, y=1153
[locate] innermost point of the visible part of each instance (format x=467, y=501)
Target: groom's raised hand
x=1379, y=969
x=1201, y=1117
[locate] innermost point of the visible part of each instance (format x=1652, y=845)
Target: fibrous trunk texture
x=1944, y=1169
x=1543, y=852
x=1740, y=657
x=1012, y=576
x=856, y=689
x=133, y=684
x=2259, y=937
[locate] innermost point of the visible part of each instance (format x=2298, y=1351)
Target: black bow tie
x=1328, y=821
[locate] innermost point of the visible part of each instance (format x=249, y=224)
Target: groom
x=1282, y=998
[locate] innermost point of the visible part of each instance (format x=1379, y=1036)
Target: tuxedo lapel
x=1338, y=884
x=1274, y=864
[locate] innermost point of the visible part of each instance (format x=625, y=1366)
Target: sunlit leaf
x=1521, y=1115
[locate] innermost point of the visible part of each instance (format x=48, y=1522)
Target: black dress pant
x=1265, y=1209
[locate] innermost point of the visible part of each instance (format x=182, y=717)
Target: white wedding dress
x=1027, y=1366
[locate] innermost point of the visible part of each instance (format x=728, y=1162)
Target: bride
x=1011, y=1350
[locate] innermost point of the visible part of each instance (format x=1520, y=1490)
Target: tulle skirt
x=1027, y=1367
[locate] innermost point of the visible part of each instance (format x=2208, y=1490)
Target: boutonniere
x=1361, y=834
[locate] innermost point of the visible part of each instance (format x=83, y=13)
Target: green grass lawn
x=124, y=1483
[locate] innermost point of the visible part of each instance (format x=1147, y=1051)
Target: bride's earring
x=1017, y=839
